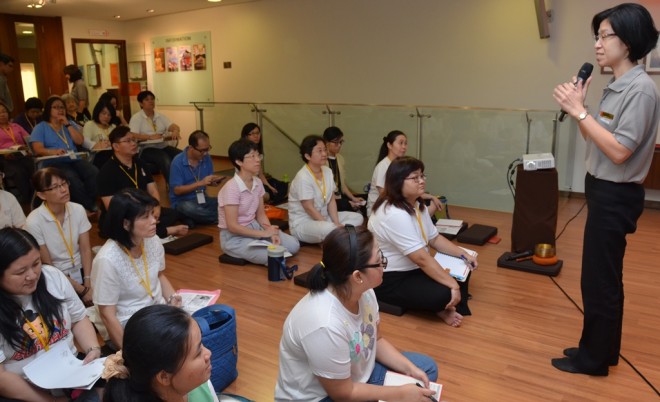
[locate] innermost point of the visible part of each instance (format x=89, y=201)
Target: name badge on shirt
x=606, y=117
x=201, y=198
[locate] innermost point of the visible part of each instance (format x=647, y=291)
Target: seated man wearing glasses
x=124, y=170
x=190, y=173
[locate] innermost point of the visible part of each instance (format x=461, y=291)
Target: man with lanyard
x=123, y=170
x=191, y=172
x=149, y=125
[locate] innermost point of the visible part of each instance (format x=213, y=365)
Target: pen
x=467, y=262
x=430, y=396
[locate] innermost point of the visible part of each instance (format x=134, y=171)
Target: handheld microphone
x=582, y=76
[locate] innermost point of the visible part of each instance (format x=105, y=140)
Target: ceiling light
x=214, y=1
x=26, y=32
x=151, y=10
x=117, y=16
x=36, y=3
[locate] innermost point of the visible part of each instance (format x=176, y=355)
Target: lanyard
x=61, y=136
x=419, y=221
x=199, y=170
x=28, y=121
x=153, y=123
x=144, y=281
x=134, y=180
x=10, y=133
x=317, y=182
x=69, y=245
x=44, y=342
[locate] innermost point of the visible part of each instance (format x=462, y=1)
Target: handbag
x=218, y=325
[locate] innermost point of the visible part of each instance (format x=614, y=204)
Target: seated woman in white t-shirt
x=129, y=271
x=312, y=207
x=241, y=214
x=403, y=227
x=11, y=213
x=62, y=230
x=331, y=346
x=395, y=145
x=163, y=359
x=39, y=310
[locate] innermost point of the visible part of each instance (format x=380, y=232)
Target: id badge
x=73, y=155
x=201, y=199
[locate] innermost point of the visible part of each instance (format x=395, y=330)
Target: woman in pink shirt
x=18, y=168
x=241, y=214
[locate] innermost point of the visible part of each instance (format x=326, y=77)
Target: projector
x=538, y=161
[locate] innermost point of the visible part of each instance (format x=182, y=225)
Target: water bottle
x=276, y=263
x=285, y=178
x=445, y=206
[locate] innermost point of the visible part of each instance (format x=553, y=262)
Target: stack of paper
x=458, y=268
x=59, y=368
x=449, y=226
x=395, y=379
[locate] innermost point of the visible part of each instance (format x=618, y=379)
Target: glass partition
x=466, y=152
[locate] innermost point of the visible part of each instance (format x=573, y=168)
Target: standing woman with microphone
x=620, y=140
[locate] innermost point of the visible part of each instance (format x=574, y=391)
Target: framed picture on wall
x=653, y=61
x=93, y=75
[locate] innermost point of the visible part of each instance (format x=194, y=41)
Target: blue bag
x=218, y=325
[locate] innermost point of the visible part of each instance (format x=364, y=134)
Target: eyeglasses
x=253, y=133
x=254, y=156
x=133, y=140
x=58, y=107
x=63, y=185
x=337, y=142
x=417, y=179
x=603, y=36
x=381, y=263
x=203, y=151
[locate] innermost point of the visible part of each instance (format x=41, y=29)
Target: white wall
x=477, y=53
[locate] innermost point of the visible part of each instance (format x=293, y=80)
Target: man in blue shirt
x=190, y=173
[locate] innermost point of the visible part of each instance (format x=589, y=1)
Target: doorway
x=104, y=67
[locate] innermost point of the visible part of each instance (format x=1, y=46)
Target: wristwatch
x=582, y=116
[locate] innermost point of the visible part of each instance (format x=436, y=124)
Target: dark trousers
x=82, y=181
x=417, y=291
x=613, y=212
x=161, y=157
x=18, y=176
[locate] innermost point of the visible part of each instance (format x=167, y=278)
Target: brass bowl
x=544, y=250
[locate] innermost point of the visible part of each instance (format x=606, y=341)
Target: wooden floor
x=501, y=353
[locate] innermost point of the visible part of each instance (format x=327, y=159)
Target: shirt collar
x=241, y=184
x=625, y=80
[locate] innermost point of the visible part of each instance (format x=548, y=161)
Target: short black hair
x=307, y=145
x=195, y=136
x=128, y=204
x=74, y=72
x=143, y=95
x=238, y=150
x=98, y=108
x=118, y=133
x=633, y=24
x=332, y=133
x=6, y=59
x=33, y=103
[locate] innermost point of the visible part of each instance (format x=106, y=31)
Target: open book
x=193, y=300
x=457, y=267
x=59, y=368
x=396, y=379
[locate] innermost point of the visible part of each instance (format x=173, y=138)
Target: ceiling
x=108, y=9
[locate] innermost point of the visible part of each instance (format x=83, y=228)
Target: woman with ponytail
x=163, y=359
x=341, y=313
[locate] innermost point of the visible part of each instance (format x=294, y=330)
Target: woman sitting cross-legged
x=331, y=347
x=402, y=225
x=38, y=308
x=62, y=229
x=312, y=207
x=163, y=359
x=128, y=272
x=241, y=214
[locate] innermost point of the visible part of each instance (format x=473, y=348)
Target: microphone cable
x=510, y=172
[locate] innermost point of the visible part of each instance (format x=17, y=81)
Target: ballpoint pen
x=467, y=262
x=429, y=396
